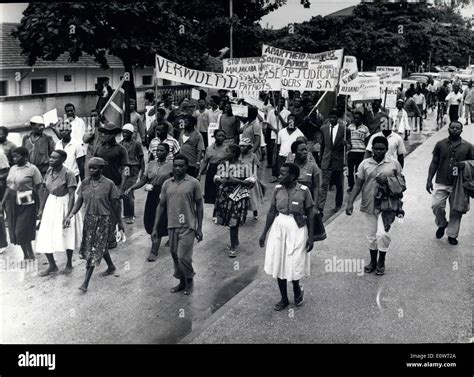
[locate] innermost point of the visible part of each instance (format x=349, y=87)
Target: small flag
x=114, y=110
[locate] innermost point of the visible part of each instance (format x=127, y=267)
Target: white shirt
x=214, y=115
x=395, y=144
x=454, y=99
x=400, y=118
x=78, y=130
x=149, y=119
x=334, y=131
x=73, y=151
x=285, y=140
x=272, y=120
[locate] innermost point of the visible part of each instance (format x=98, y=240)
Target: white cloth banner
x=390, y=81
x=303, y=71
x=348, y=83
x=168, y=70
x=254, y=74
x=240, y=110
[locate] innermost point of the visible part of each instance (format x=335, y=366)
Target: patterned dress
x=232, y=201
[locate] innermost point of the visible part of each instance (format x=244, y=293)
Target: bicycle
x=441, y=112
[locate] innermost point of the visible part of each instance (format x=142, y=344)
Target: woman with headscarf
x=101, y=200
x=251, y=159
x=290, y=222
x=21, y=201
x=234, y=180
x=215, y=154
x=156, y=173
x=61, y=185
x=310, y=176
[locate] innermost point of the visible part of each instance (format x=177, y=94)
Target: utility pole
x=231, y=27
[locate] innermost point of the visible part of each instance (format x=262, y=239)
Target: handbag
x=239, y=193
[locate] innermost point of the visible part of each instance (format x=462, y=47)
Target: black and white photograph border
x=170, y=146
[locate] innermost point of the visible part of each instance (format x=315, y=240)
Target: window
x=39, y=86
x=166, y=82
x=3, y=88
x=67, y=78
x=146, y=80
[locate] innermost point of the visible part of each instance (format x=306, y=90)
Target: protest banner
x=240, y=110
x=210, y=133
x=369, y=89
x=51, y=117
x=195, y=94
x=168, y=70
x=254, y=102
x=390, y=81
x=348, y=83
x=303, y=71
x=254, y=74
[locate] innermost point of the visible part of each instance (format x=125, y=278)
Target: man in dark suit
x=334, y=145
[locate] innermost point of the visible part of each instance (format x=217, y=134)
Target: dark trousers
x=271, y=160
x=353, y=161
x=113, y=226
x=337, y=177
x=280, y=161
x=204, y=136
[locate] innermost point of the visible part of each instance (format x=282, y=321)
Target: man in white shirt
x=400, y=117
x=420, y=101
x=78, y=127
x=76, y=155
x=396, y=147
x=454, y=100
x=202, y=120
x=285, y=138
x=276, y=120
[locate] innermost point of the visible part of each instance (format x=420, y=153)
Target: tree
x=134, y=31
x=372, y=34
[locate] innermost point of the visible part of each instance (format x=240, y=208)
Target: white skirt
x=285, y=255
x=51, y=236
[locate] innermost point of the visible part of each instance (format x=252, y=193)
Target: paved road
x=135, y=305
x=424, y=297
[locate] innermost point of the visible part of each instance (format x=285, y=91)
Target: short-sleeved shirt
x=396, y=146
x=180, y=198
x=358, y=136
x=40, y=149
x=214, y=115
x=140, y=128
x=78, y=130
x=275, y=122
x=309, y=174
x=158, y=172
x=98, y=200
x=173, y=144
x=252, y=130
x=73, y=151
x=215, y=154
x=23, y=178
x=58, y=183
x=368, y=171
x=116, y=157
x=191, y=147
x=230, y=125
x=294, y=201
x=202, y=119
x=285, y=140
x=134, y=152
x=8, y=148
x=448, y=154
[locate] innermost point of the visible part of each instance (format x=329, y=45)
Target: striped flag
x=114, y=110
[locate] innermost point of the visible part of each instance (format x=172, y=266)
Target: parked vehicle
x=465, y=75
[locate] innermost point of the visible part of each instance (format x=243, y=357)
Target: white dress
x=51, y=236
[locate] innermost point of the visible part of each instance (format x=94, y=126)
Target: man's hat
x=400, y=100
x=128, y=127
x=110, y=128
x=38, y=119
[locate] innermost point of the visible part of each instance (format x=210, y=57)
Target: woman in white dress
x=290, y=221
x=52, y=237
